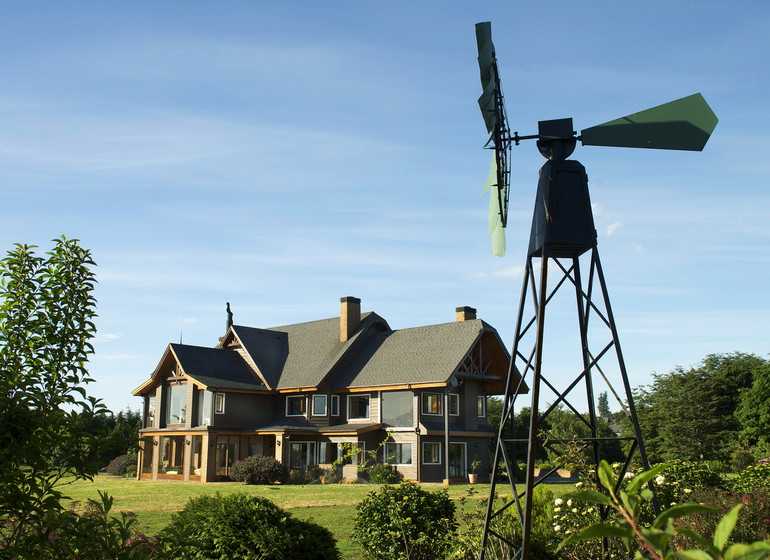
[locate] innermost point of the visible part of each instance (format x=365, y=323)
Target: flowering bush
x=753, y=477
x=405, y=521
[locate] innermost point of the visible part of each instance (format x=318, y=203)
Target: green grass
x=331, y=505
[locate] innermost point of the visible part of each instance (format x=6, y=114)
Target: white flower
x=574, y=510
x=628, y=475
x=687, y=490
x=578, y=484
x=556, y=509
x=558, y=502
x=660, y=479
x=557, y=528
x=569, y=503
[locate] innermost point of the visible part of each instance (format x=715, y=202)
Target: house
x=416, y=396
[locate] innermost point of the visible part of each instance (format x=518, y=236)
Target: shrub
x=120, y=466
x=257, y=469
x=383, y=474
x=742, y=458
x=753, y=477
x=240, y=526
x=405, y=521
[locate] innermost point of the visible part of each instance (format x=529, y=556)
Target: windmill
x=563, y=237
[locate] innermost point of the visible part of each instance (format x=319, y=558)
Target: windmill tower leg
x=574, y=394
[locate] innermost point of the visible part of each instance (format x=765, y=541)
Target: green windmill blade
x=684, y=124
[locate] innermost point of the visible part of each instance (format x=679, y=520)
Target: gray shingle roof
x=418, y=355
x=216, y=368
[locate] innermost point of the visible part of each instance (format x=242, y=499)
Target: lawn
x=332, y=505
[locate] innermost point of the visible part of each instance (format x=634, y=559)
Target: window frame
x=386, y=454
x=182, y=417
x=304, y=405
x=218, y=401
x=440, y=403
x=325, y=398
x=369, y=408
x=439, y=455
x=335, y=406
x=457, y=398
x=481, y=400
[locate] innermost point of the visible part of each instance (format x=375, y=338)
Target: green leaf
x=591, y=496
x=699, y=540
x=599, y=530
x=693, y=555
x=606, y=477
x=643, y=478
x=678, y=511
x=725, y=527
x=753, y=551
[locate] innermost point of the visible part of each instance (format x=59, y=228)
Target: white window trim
x=216, y=397
x=385, y=452
x=422, y=403
x=483, y=399
x=347, y=412
x=440, y=456
x=313, y=398
x=450, y=401
x=335, y=401
x=287, y=406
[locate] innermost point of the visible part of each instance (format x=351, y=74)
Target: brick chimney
x=465, y=314
x=350, y=316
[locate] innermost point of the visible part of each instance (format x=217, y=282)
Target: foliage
x=468, y=542
x=691, y=414
x=753, y=523
x=753, y=477
x=240, y=526
x=654, y=541
x=257, y=469
x=603, y=405
x=742, y=458
x=753, y=411
x=405, y=521
x=121, y=466
x=46, y=323
x=381, y=473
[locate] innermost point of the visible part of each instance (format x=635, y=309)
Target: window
x=171, y=455
x=227, y=453
x=397, y=409
x=335, y=405
x=205, y=406
x=431, y=403
x=176, y=404
x=481, y=405
x=196, y=453
x=327, y=452
x=358, y=407
x=219, y=403
x=431, y=453
x=454, y=404
x=149, y=418
x=398, y=453
x=319, y=405
x=302, y=455
x=296, y=406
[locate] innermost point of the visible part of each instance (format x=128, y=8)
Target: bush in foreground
x=257, y=469
x=405, y=521
x=240, y=526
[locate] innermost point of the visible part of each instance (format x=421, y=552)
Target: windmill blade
x=488, y=71
x=684, y=124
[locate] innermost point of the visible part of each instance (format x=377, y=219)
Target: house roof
x=414, y=356
x=215, y=368
x=304, y=356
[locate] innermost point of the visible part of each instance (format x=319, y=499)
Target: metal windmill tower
x=562, y=257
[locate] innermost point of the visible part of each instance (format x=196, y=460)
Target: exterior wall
x=246, y=410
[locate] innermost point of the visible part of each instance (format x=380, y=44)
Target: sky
x=282, y=155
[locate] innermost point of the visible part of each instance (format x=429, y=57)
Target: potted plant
x=473, y=477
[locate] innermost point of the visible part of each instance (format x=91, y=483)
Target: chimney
x=465, y=314
x=350, y=316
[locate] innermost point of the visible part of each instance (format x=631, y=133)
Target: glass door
x=456, y=460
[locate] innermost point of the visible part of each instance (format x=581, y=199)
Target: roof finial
x=229, y=316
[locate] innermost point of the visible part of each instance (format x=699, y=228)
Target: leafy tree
x=753, y=411
x=46, y=313
x=603, y=407
x=690, y=414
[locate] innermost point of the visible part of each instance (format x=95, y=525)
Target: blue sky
x=281, y=155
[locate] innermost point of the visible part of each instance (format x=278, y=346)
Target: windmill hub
x=555, y=139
